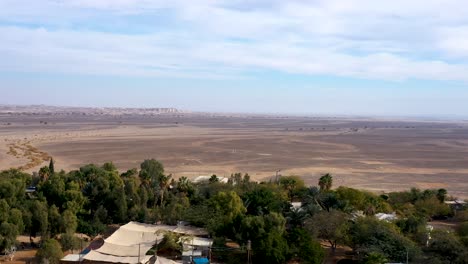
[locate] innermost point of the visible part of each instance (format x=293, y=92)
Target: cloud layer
x=389, y=40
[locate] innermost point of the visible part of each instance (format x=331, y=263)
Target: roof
x=386, y=217
x=73, y=258
x=130, y=243
x=196, y=241
x=130, y=251
x=204, y=178
x=190, y=230
x=455, y=202
x=99, y=257
x=188, y=253
x=296, y=205
x=161, y=260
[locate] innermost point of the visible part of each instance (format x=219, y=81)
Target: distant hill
x=92, y=111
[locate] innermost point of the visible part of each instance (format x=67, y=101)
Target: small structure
x=296, y=205
x=387, y=217
x=456, y=205
x=195, y=248
x=205, y=179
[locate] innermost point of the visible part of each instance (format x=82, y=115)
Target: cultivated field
x=378, y=155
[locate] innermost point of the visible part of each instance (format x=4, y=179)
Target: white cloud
x=454, y=41
x=394, y=40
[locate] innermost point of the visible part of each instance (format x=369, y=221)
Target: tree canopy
x=284, y=221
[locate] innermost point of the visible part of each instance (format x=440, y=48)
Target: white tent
x=130, y=243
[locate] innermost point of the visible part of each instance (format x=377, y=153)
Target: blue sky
x=314, y=57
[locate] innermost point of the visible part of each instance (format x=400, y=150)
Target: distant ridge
x=69, y=110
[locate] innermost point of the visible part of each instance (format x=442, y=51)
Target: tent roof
x=72, y=258
x=136, y=239
x=99, y=257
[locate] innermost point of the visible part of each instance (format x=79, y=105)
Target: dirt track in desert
x=372, y=154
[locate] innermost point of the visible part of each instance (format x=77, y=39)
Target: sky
x=363, y=57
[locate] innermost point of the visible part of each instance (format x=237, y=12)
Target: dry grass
x=24, y=149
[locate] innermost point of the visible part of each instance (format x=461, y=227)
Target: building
x=195, y=249
x=456, y=205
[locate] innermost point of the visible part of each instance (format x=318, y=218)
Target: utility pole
x=209, y=254
x=407, y=256
x=139, y=253
x=249, y=248
x=277, y=176
x=81, y=249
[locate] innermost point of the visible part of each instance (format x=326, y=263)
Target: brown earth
x=373, y=154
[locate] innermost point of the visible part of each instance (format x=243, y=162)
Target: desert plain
x=376, y=154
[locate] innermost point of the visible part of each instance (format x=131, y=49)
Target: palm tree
x=44, y=173
x=326, y=182
x=164, y=181
x=296, y=217
x=184, y=185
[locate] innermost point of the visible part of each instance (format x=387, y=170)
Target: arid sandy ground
x=378, y=155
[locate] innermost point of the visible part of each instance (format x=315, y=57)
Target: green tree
x=213, y=179
x=304, y=247
x=69, y=241
x=326, y=182
x=109, y=166
x=227, y=206
x=50, y=252
x=292, y=185
x=361, y=200
x=69, y=222
x=54, y=220
x=264, y=199
x=16, y=218
x=174, y=211
x=296, y=217
x=267, y=233
x=4, y=210
x=51, y=166
x=74, y=198
x=446, y=247
x=169, y=243
x=432, y=207
x=164, y=181
x=39, y=218
x=332, y=226
x=369, y=235
x=442, y=195
x=151, y=170
x=8, y=234
x=375, y=258
x=53, y=190
x=184, y=185
x=44, y=173
x=463, y=229
x=273, y=248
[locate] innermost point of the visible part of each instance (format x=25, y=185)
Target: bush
x=463, y=229
x=50, y=252
x=69, y=242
